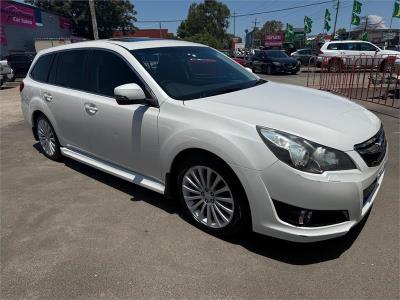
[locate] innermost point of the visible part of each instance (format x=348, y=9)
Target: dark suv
x=274, y=61
x=20, y=63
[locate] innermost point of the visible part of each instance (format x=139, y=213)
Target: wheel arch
x=184, y=155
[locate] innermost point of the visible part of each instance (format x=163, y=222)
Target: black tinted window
x=350, y=46
x=334, y=46
x=367, y=47
x=41, y=69
x=70, y=69
x=107, y=71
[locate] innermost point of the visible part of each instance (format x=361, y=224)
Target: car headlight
x=276, y=63
x=304, y=155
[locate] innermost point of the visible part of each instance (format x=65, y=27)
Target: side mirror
x=129, y=93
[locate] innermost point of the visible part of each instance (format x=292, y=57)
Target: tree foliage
x=341, y=31
x=111, y=15
x=269, y=27
x=206, y=23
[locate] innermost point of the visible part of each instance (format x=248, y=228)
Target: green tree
x=269, y=27
x=206, y=23
x=341, y=31
x=111, y=15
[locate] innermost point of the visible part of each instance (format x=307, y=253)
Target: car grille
x=373, y=150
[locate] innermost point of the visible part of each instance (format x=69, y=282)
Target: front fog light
x=304, y=217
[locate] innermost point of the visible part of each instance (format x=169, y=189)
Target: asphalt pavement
x=71, y=232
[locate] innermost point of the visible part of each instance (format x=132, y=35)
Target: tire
x=268, y=70
x=223, y=213
x=48, y=140
x=253, y=69
x=294, y=72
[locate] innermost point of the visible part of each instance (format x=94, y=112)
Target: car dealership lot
x=70, y=231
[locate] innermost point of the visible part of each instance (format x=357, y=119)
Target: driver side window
x=106, y=71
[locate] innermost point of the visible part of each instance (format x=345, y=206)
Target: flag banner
x=357, y=7
x=307, y=24
x=327, y=27
x=327, y=15
x=364, y=37
x=289, y=34
x=396, y=9
x=355, y=20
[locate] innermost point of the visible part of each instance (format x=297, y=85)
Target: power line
x=242, y=15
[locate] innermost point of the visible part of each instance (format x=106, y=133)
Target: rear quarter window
x=40, y=71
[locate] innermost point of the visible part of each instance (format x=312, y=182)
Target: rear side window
x=333, y=46
x=41, y=69
x=70, y=69
x=107, y=71
x=350, y=46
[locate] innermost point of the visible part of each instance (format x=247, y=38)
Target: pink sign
x=16, y=14
x=3, y=36
x=273, y=40
x=64, y=22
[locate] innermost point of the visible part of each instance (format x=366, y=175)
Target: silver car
x=186, y=121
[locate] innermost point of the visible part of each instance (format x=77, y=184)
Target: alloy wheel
x=208, y=197
x=46, y=137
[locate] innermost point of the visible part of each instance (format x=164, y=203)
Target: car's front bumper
x=342, y=190
x=284, y=69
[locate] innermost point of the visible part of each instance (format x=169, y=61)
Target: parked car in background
x=6, y=71
x=274, y=61
x=340, y=54
x=239, y=152
x=305, y=56
x=241, y=60
x=20, y=63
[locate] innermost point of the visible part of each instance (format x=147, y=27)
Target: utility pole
x=337, y=12
x=253, y=33
x=234, y=23
x=94, y=20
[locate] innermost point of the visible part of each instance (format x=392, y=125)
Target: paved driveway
x=70, y=231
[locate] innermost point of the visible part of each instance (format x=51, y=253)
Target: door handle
x=90, y=108
x=47, y=97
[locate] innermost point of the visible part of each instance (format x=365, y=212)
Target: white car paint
x=225, y=125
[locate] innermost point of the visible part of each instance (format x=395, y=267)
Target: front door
x=125, y=135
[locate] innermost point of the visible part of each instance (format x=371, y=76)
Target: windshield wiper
x=260, y=81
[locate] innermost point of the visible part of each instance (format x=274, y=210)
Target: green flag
x=307, y=24
x=327, y=27
x=327, y=15
x=289, y=34
x=396, y=10
x=355, y=20
x=357, y=7
x=364, y=36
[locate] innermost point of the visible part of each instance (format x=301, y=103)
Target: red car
x=240, y=61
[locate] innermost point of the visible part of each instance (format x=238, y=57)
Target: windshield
x=186, y=73
x=276, y=54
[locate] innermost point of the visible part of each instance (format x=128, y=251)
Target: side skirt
x=130, y=176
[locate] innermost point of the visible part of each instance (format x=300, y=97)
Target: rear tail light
x=21, y=86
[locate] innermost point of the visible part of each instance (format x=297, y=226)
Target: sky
x=177, y=9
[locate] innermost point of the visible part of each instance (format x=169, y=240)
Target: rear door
x=63, y=96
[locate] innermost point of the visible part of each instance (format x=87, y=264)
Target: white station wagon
x=184, y=120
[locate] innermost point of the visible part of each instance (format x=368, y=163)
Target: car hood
x=315, y=115
x=389, y=52
x=286, y=60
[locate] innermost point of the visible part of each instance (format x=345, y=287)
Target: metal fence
x=368, y=78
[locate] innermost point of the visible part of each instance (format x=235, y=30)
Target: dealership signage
x=15, y=14
x=272, y=40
